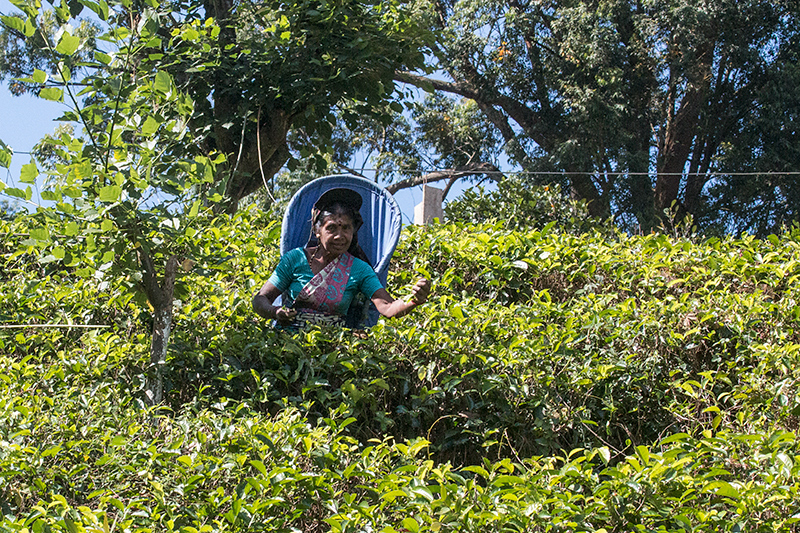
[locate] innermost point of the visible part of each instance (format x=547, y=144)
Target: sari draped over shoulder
x=318, y=302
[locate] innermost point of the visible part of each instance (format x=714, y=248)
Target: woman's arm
x=262, y=304
x=391, y=308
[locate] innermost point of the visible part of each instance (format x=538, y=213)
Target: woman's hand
x=262, y=304
x=390, y=308
x=420, y=291
x=285, y=315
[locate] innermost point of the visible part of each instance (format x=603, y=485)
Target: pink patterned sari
x=318, y=302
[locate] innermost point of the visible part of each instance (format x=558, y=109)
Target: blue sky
x=23, y=121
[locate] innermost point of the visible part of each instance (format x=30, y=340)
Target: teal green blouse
x=293, y=272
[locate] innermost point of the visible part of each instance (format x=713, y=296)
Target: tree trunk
x=681, y=130
x=642, y=198
x=160, y=296
x=677, y=147
x=254, y=155
x=162, y=324
x=583, y=188
x=641, y=85
x=263, y=155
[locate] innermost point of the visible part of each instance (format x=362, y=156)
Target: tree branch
x=527, y=119
x=352, y=171
x=439, y=85
x=447, y=174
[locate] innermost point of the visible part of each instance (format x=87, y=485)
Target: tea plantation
x=553, y=382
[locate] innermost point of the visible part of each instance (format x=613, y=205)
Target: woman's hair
x=318, y=217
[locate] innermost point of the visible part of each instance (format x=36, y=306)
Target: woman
x=323, y=278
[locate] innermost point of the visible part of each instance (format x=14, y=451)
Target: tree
x=24, y=48
x=636, y=102
x=8, y=209
x=768, y=146
x=255, y=70
x=127, y=194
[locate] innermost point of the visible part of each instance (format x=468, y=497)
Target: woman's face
x=335, y=233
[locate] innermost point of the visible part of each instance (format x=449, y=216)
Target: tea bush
x=519, y=205
x=553, y=382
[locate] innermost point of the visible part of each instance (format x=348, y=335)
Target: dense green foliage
x=124, y=196
x=553, y=382
x=264, y=77
x=563, y=377
x=519, y=205
x=640, y=103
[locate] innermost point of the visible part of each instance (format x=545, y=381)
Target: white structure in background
x=430, y=207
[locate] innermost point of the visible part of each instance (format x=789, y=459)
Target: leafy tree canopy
x=518, y=205
x=256, y=71
x=643, y=105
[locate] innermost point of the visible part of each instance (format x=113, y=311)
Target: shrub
x=520, y=206
x=553, y=382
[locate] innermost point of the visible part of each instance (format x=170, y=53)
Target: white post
x=431, y=206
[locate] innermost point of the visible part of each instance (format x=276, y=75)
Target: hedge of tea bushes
x=553, y=382
x=78, y=456
x=536, y=342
